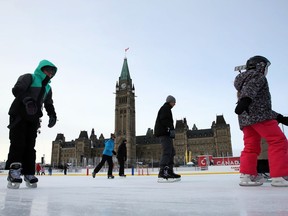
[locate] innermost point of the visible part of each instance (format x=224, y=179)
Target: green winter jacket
x=36, y=87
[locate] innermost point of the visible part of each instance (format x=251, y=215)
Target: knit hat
x=170, y=99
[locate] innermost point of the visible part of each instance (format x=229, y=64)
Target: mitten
x=30, y=106
x=114, y=153
x=52, y=121
x=282, y=119
x=243, y=105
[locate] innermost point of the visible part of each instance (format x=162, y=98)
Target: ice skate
x=251, y=180
x=14, y=179
x=110, y=177
x=280, y=181
x=93, y=174
x=266, y=176
x=31, y=181
x=122, y=176
x=176, y=176
x=166, y=175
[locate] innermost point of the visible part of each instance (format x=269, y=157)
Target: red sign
x=226, y=161
x=206, y=160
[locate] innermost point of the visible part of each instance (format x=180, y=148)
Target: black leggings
x=102, y=162
x=22, y=142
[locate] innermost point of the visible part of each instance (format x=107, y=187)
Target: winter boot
x=280, y=181
x=31, y=181
x=14, y=179
x=251, y=180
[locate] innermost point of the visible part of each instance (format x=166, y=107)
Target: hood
x=38, y=71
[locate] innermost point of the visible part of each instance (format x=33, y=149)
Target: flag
x=126, y=49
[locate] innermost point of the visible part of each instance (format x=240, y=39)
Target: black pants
x=22, y=142
x=102, y=162
x=121, y=162
x=168, y=152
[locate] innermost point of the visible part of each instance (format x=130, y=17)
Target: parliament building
x=189, y=143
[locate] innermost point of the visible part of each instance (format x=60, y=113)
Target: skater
x=50, y=170
x=122, y=157
x=42, y=170
x=38, y=169
x=65, y=169
x=31, y=91
x=164, y=129
x=107, y=156
x=257, y=120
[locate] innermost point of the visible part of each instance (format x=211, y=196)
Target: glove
x=282, y=119
x=30, y=106
x=243, y=105
x=172, y=134
x=52, y=121
x=114, y=153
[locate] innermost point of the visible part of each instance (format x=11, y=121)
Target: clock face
x=123, y=86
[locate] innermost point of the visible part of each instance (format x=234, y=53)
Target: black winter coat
x=164, y=121
x=36, y=87
x=122, y=151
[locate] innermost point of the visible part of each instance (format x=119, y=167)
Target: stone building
x=87, y=150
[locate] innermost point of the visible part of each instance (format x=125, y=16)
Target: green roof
x=125, y=75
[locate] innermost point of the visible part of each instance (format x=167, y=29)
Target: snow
x=201, y=194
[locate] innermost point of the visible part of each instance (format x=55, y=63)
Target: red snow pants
x=277, y=148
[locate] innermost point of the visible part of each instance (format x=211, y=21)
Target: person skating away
x=164, y=129
x=31, y=91
x=122, y=157
x=257, y=120
x=107, y=156
x=38, y=169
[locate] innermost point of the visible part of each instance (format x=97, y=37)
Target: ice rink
x=206, y=194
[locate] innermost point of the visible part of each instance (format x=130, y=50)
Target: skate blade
x=13, y=185
x=171, y=180
x=31, y=185
x=250, y=184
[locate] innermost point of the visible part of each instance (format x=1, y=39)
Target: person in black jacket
x=164, y=129
x=31, y=91
x=122, y=157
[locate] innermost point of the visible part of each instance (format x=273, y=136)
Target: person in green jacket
x=31, y=91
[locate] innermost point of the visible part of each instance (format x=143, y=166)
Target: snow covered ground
x=201, y=194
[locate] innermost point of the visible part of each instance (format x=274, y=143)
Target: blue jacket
x=109, y=147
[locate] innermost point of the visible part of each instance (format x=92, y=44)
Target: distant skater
x=107, y=156
x=122, y=157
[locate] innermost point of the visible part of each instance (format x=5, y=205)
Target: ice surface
x=207, y=194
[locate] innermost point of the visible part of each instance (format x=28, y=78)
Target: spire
x=125, y=75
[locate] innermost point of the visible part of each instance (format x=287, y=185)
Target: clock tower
x=125, y=113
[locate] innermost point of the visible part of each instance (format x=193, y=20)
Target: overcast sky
x=185, y=48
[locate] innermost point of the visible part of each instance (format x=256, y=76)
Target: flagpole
x=126, y=51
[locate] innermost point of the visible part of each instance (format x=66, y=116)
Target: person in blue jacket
x=107, y=156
